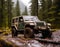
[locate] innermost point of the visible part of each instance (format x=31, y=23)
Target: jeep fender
x=13, y=27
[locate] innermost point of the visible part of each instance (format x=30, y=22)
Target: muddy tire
x=28, y=33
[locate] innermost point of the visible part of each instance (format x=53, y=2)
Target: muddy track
x=21, y=42
x=7, y=41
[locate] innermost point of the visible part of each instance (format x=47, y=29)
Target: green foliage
x=9, y=6
x=1, y=12
x=5, y=13
x=34, y=7
x=50, y=12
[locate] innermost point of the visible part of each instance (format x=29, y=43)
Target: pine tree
x=57, y=14
x=50, y=12
x=9, y=12
x=41, y=11
x=18, y=13
x=25, y=12
x=34, y=7
x=5, y=13
x=1, y=12
x=48, y=6
x=44, y=9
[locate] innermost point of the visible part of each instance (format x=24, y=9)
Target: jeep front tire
x=28, y=33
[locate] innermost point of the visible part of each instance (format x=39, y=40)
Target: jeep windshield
x=29, y=22
x=30, y=18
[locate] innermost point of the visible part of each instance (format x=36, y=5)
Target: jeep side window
x=20, y=19
x=16, y=19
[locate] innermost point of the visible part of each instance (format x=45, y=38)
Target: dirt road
x=20, y=41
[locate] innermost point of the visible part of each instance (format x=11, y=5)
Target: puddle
x=16, y=42
x=33, y=43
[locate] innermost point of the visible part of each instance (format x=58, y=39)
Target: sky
x=26, y=2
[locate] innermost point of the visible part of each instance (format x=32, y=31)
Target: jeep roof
x=28, y=18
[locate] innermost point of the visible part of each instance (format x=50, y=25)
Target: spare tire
x=28, y=33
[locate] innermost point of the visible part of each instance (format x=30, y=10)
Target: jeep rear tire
x=14, y=32
x=28, y=33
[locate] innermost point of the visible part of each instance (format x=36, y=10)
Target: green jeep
x=28, y=25
x=19, y=23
